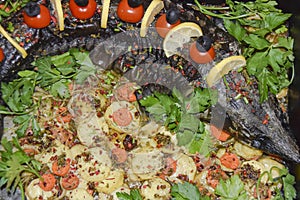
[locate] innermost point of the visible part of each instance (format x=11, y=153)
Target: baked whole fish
x=246, y=119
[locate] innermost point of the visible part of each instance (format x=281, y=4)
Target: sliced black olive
x=82, y=3
x=203, y=43
x=172, y=15
x=135, y=3
x=32, y=9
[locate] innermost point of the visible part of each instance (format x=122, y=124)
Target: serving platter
x=93, y=56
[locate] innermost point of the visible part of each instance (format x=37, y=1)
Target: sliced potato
x=246, y=152
x=155, y=189
x=114, y=181
x=185, y=166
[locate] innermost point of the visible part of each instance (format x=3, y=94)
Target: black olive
x=172, y=16
x=135, y=3
x=32, y=9
x=203, y=43
x=129, y=143
x=82, y=3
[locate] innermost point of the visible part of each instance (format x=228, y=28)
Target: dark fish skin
x=245, y=118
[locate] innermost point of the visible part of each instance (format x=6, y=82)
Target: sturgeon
x=109, y=49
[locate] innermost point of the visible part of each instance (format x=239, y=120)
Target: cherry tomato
x=2, y=56
x=83, y=9
x=166, y=22
x=130, y=14
x=36, y=16
x=202, y=51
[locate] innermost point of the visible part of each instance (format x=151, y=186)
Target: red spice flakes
x=266, y=120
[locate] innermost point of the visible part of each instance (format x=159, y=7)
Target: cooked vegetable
x=36, y=15
x=47, y=182
x=2, y=56
x=83, y=9
x=131, y=11
x=167, y=21
x=202, y=51
x=70, y=181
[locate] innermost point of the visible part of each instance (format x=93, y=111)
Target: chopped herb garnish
x=179, y=115
x=261, y=29
x=53, y=74
x=134, y=195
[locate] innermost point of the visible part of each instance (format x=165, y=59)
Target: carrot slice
x=219, y=134
x=63, y=115
x=171, y=166
x=70, y=182
x=47, y=182
x=122, y=117
x=119, y=154
x=230, y=160
x=61, y=167
x=30, y=151
x=126, y=92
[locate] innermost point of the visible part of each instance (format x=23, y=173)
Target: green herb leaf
x=256, y=41
x=14, y=163
x=235, y=29
x=185, y=191
x=134, y=195
x=275, y=19
x=289, y=190
x=201, y=143
x=232, y=188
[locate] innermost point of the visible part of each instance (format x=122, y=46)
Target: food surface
x=101, y=109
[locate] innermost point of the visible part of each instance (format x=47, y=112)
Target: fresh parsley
x=179, y=114
x=231, y=189
x=13, y=163
x=9, y=7
x=261, y=29
x=186, y=191
x=51, y=73
x=134, y=195
x=285, y=179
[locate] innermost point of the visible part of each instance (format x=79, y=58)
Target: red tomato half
x=42, y=20
x=129, y=14
x=163, y=27
x=83, y=12
x=201, y=57
x=2, y=56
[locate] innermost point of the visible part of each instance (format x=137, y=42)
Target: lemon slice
x=59, y=13
x=13, y=42
x=223, y=67
x=180, y=35
x=104, y=15
x=154, y=8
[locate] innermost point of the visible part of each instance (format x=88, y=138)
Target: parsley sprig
x=13, y=163
x=284, y=178
x=186, y=191
x=261, y=29
x=133, y=195
x=232, y=188
x=179, y=114
x=9, y=6
x=51, y=73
